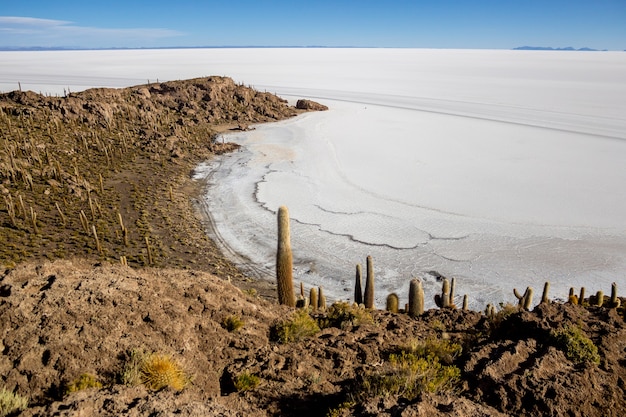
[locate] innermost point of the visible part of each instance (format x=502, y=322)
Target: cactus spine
x=358, y=288
x=392, y=302
x=284, y=261
x=369, y=284
x=416, y=298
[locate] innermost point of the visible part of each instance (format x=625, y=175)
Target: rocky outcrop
x=304, y=104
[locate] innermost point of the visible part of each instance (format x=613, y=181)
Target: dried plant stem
x=101, y=183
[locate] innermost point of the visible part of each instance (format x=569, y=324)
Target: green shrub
x=232, y=323
x=298, y=327
x=84, y=381
x=246, y=381
x=577, y=346
x=418, y=368
x=343, y=314
x=11, y=402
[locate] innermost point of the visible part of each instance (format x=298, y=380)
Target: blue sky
x=497, y=24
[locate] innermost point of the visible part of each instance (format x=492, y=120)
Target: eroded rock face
x=304, y=104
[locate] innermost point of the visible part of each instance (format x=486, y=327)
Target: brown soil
x=61, y=318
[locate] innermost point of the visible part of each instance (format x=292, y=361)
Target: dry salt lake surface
x=500, y=168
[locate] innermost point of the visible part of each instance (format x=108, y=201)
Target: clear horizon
x=446, y=24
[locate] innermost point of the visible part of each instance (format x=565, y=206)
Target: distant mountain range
x=549, y=48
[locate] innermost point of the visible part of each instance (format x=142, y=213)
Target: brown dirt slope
x=65, y=318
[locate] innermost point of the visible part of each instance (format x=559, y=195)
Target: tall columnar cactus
x=571, y=298
x=314, y=302
x=544, y=296
x=614, y=302
x=392, y=302
x=321, y=302
x=369, y=284
x=416, y=298
x=465, y=303
x=524, y=300
x=581, y=297
x=358, y=286
x=284, y=261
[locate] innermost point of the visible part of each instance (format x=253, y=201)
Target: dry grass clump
x=413, y=370
x=298, y=327
x=232, y=323
x=343, y=315
x=246, y=381
x=84, y=381
x=11, y=402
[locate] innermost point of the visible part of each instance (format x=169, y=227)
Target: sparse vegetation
x=232, y=323
x=411, y=372
x=11, y=402
x=84, y=381
x=343, y=315
x=298, y=327
x=246, y=381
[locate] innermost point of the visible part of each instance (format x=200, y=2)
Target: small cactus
x=358, y=286
x=284, y=261
x=599, y=299
x=313, y=299
x=544, y=296
x=369, y=284
x=392, y=302
x=416, y=298
x=614, y=302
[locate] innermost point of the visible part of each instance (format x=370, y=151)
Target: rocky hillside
x=116, y=163
x=237, y=356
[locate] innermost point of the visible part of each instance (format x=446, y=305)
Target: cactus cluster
x=415, y=306
x=526, y=299
x=446, y=299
